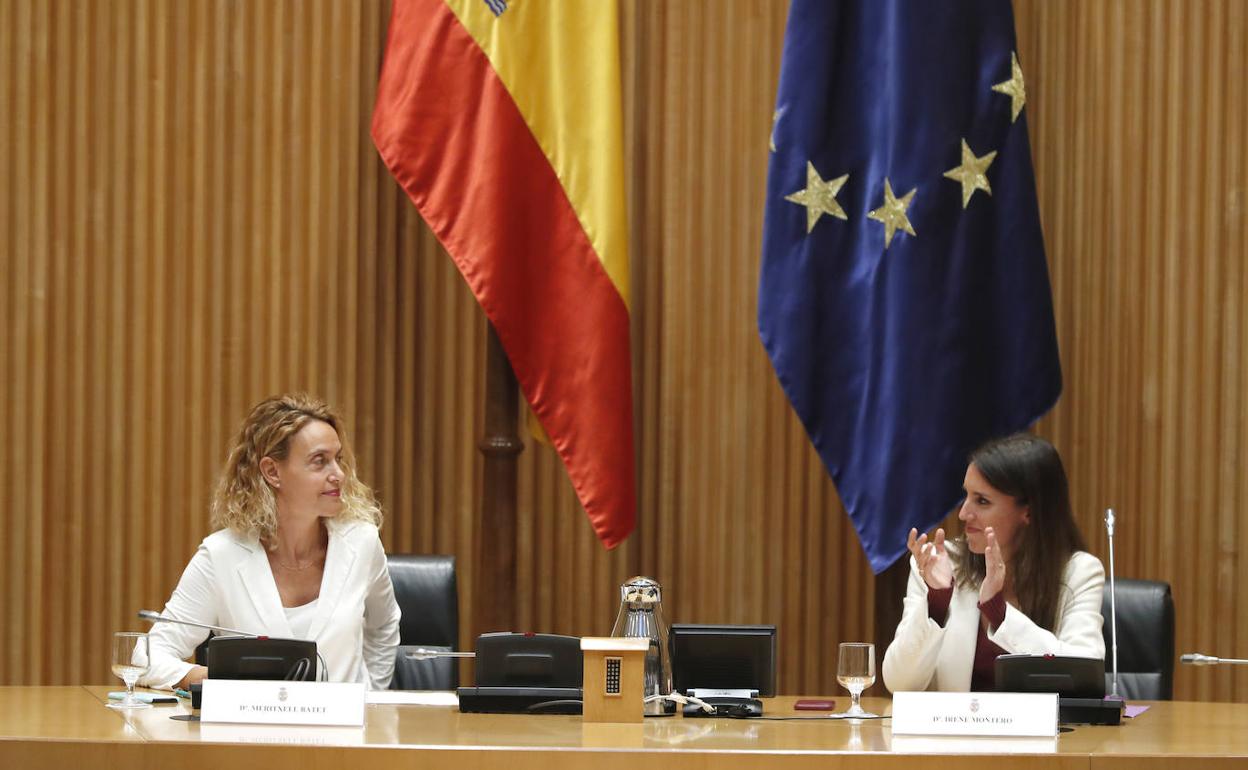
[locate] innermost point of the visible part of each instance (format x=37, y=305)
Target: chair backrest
x=1145, y=640
x=428, y=595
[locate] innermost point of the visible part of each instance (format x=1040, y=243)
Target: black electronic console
x=260, y=657
x=254, y=657
x=1078, y=682
x=1090, y=711
x=525, y=673
x=726, y=703
x=727, y=667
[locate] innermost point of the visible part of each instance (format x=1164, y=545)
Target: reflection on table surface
x=1191, y=730
x=444, y=726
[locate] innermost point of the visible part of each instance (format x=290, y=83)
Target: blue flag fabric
x=904, y=296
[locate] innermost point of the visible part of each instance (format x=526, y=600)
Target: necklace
x=296, y=567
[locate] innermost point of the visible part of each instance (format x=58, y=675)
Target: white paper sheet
x=412, y=697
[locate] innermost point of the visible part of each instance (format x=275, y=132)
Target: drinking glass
x=856, y=672
x=130, y=661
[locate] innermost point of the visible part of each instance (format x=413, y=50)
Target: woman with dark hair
x=1019, y=580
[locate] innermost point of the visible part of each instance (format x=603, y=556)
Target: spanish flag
x=501, y=121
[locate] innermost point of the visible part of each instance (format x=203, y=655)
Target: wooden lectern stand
x=614, y=678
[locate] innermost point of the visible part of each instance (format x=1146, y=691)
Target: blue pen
x=181, y=693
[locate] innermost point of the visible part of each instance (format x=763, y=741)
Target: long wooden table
x=70, y=727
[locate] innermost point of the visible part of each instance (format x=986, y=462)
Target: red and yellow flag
x=501, y=121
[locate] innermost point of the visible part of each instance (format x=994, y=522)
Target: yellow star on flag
x=1014, y=88
x=893, y=213
x=819, y=197
x=972, y=173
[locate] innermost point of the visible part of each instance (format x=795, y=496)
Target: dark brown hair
x=1028, y=469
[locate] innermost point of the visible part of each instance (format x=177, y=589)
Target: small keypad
x=613, y=676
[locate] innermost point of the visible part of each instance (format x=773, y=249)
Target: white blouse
x=228, y=582
x=300, y=619
x=925, y=655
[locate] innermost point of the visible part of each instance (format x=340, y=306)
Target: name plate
x=975, y=713
x=283, y=703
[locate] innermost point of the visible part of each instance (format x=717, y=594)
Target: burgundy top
x=983, y=671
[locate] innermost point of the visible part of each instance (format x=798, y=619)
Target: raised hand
x=994, y=563
x=935, y=566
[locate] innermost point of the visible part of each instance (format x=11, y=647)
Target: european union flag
x=904, y=295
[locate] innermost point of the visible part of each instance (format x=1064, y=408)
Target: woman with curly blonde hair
x=296, y=553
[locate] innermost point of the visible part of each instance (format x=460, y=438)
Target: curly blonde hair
x=244, y=502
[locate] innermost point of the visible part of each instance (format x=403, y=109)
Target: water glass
x=855, y=671
x=130, y=661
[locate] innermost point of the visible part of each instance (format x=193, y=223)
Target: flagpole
x=494, y=595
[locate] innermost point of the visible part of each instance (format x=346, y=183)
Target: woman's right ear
x=268, y=469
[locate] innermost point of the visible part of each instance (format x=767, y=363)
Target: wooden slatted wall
x=192, y=217
x=1138, y=115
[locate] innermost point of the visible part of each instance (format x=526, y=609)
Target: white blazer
x=925, y=656
x=229, y=583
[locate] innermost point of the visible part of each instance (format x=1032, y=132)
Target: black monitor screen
x=724, y=658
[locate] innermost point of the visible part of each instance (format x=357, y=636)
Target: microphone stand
x=156, y=617
x=1113, y=603
x=1107, y=710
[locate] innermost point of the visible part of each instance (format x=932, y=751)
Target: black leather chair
x=1145, y=640
x=428, y=594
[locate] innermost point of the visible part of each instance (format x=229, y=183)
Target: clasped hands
x=936, y=568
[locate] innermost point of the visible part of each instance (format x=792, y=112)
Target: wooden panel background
x=192, y=217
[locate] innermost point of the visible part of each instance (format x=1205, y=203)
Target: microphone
x=1197, y=659
x=156, y=617
x=1113, y=603
x=421, y=653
